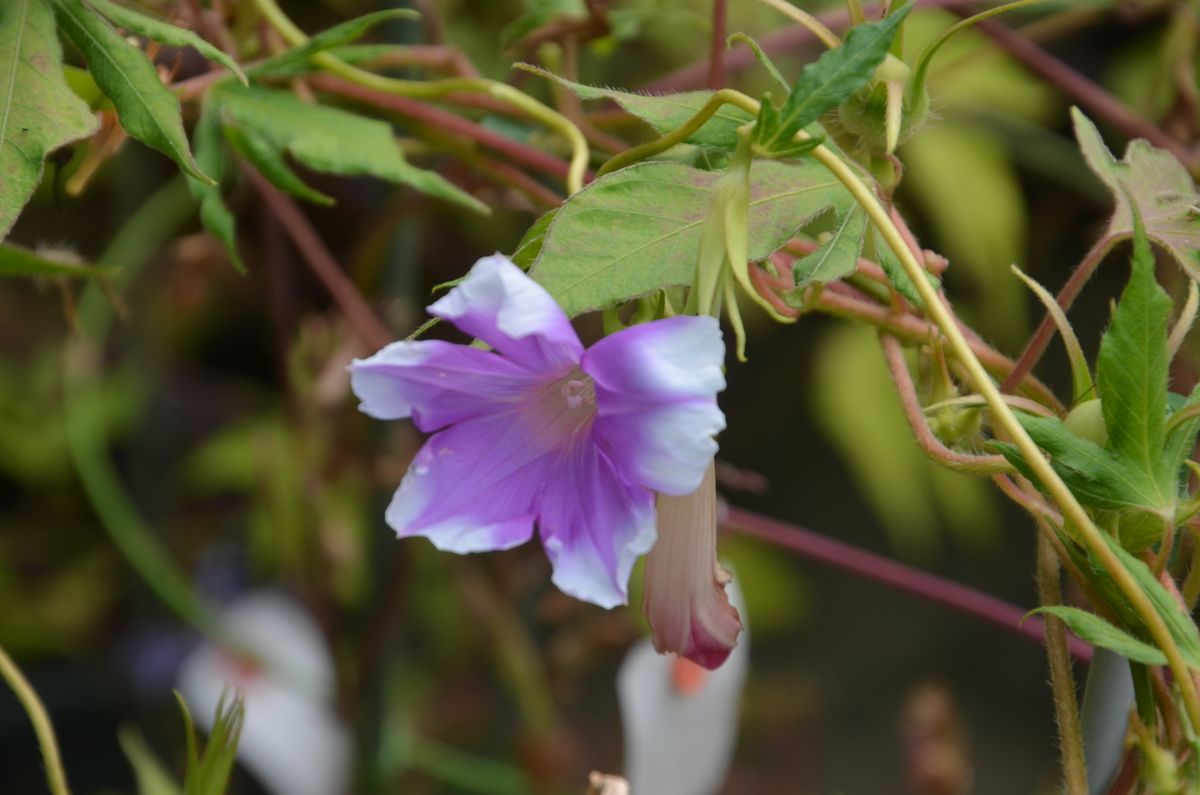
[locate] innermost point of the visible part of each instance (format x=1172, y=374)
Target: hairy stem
x=1062, y=683
x=56, y=777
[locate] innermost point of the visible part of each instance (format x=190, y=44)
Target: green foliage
x=270, y=162
x=148, y=110
x=637, y=230
x=1151, y=182
x=531, y=242
x=38, y=111
x=836, y=258
x=1131, y=377
x=298, y=59
x=152, y=777
x=897, y=276
x=827, y=82
x=18, y=261
x=328, y=139
x=539, y=13
x=162, y=32
x=214, y=213
x=1098, y=632
x=208, y=771
x=666, y=112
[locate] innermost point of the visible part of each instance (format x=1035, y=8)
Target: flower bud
x=888, y=110
x=1087, y=422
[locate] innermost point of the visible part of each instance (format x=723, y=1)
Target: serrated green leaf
x=1098, y=632
x=297, y=60
x=531, y=242
x=1131, y=377
x=148, y=110
x=38, y=111
x=18, y=261
x=214, y=213
x=1095, y=476
x=665, y=112
x=837, y=257
x=152, y=777
x=829, y=80
x=896, y=275
x=638, y=229
x=164, y=33
x=329, y=139
x=270, y=163
x=1156, y=183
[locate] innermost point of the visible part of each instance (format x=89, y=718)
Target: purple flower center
x=564, y=409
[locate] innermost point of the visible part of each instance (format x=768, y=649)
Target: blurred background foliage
x=222, y=404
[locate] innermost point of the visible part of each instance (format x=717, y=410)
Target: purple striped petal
x=473, y=486
x=594, y=526
x=500, y=305
x=656, y=399
x=685, y=601
x=438, y=383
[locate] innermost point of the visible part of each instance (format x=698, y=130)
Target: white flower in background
x=291, y=739
x=681, y=721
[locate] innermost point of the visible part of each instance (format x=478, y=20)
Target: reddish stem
x=448, y=122
x=1066, y=296
x=716, y=53
x=877, y=568
x=323, y=264
x=1081, y=89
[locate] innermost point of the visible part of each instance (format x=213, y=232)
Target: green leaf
x=1131, y=377
x=214, y=213
x=531, y=242
x=1182, y=438
x=329, y=139
x=1154, y=182
x=297, y=60
x=1095, y=476
x=17, y=261
x=147, y=109
x=538, y=14
x=162, y=32
x=897, y=276
x=1098, y=632
x=837, y=257
x=829, y=80
x=638, y=229
x=271, y=164
x=665, y=112
x=152, y=777
x=38, y=111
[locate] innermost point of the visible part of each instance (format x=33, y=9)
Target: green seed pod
x=887, y=111
x=1087, y=422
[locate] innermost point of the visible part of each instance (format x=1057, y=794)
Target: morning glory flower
x=538, y=430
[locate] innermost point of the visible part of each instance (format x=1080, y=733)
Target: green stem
x=1003, y=416
x=1062, y=683
x=726, y=96
x=153, y=223
x=56, y=778
x=419, y=89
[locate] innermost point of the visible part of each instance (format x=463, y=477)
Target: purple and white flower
x=539, y=430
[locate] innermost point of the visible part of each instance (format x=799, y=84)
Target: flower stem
x=419, y=89
x=56, y=778
x=1003, y=416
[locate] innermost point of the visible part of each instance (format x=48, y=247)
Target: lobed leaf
x=38, y=111
x=329, y=139
x=828, y=81
x=1155, y=183
x=836, y=258
x=157, y=30
x=638, y=229
x=1131, y=377
x=147, y=109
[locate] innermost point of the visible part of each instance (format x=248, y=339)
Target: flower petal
x=656, y=399
x=437, y=383
x=472, y=487
x=594, y=526
x=500, y=305
x=685, y=602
